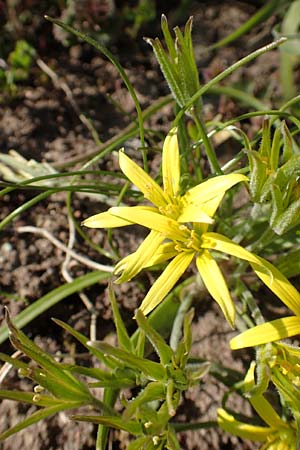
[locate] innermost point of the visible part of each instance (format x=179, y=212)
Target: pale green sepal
x=149, y=218
x=166, y=281
x=151, y=190
x=213, y=187
x=105, y=220
x=193, y=213
x=227, y=422
x=267, y=332
x=214, y=281
x=132, y=264
x=171, y=164
x=271, y=276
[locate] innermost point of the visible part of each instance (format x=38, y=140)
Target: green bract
x=179, y=66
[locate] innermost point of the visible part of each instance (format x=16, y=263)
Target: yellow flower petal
x=271, y=276
x=166, y=281
x=267, y=332
x=211, y=206
x=212, y=188
x=214, y=281
x=192, y=213
x=278, y=284
x=150, y=218
x=171, y=164
x=228, y=423
x=162, y=254
x=151, y=190
x=132, y=264
x=105, y=220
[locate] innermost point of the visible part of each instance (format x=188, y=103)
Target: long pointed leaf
x=36, y=417
x=84, y=341
x=132, y=427
x=151, y=369
x=123, y=338
x=164, y=352
x=53, y=297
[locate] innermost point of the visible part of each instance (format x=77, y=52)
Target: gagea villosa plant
x=226, y=232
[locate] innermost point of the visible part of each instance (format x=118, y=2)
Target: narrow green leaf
x=123, y=337
x=168, y=38
x=109, y=398
x=275, y=150
x=168, y=70
x=114, y=61
x=152, y=370
x=138, y=443
x=164, y=352
x=13, y=361
x=36, y=417
x=24, y=207
x=30, y=397
x=132, y=427
x=116, y=380
x=53, y=297
x=52, y=377
x=84, y=341
x=187, y=336
x=265, y=146
x=288, y=143
x=153, y=391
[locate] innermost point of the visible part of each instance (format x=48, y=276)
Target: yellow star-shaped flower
x=179, y=225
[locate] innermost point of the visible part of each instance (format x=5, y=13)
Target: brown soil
x=42, y=123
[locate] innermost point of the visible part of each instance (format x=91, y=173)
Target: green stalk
x=210, y=152
x=24, y=207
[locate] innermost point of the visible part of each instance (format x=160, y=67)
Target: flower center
x=172, y=210
x=194, y=242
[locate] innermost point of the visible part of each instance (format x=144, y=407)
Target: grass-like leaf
x=53, y=297
x=132, y=427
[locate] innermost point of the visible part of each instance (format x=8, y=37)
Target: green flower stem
x=290, y=103
x=194, y=426
x=24, y=207
x=207, y=144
